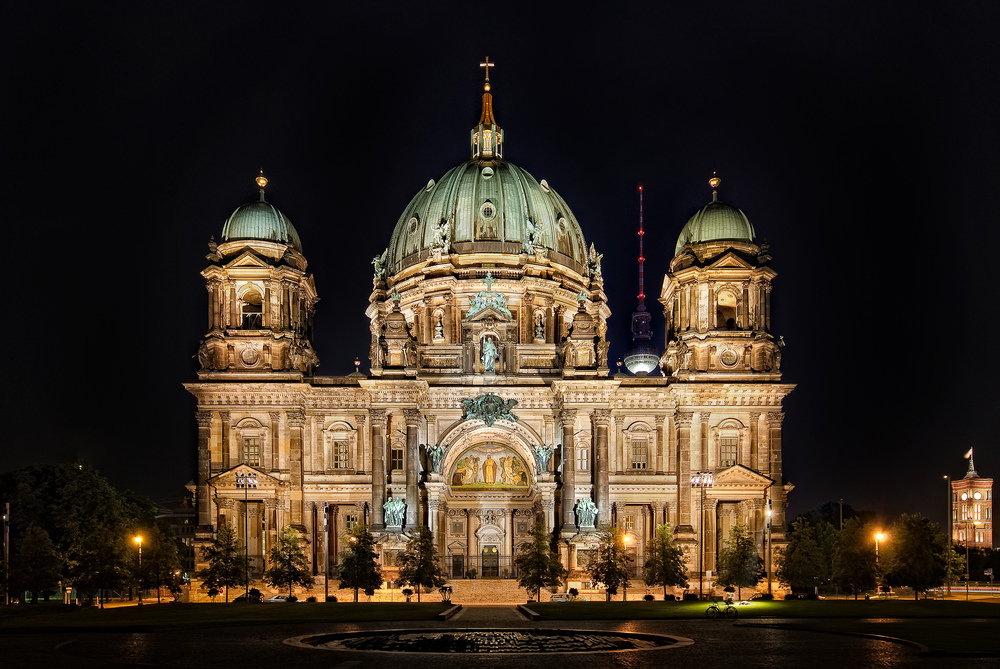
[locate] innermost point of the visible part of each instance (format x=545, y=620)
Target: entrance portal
x=491, y=562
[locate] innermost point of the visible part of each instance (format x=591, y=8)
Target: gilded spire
x=487, y=138
x=261, y=182
x=714, y=182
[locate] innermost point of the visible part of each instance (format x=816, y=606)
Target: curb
x=446, y=615
x=528, y=613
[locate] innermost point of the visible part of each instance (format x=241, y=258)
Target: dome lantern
x=487, y=137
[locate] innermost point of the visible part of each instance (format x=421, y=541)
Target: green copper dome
x=487, y=206
x=716, y=221
x=262, y=221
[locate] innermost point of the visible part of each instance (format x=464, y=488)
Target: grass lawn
x=775, y=609
x=56, y=617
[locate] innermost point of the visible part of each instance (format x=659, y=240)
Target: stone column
x=602, y=492
x=296, y=421
x=412, y=417
x=470, y=537
x=660, y=446
x=671, y=445
x=683, y=423
x=360, y=460
x=204, y=419
x=317, y=446
x=226, y=448
x=620, y=453
x=568, y=419
x=271, y=447
x=378, y=467
x=774, y=420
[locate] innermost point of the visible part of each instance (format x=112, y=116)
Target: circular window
x=978, y=495
x=413, y=224
x=487, y=172
x=544, y=184
x=430, y=184
x=487, y=211
x=728, y=358
x=562, y=225
x=965, y=496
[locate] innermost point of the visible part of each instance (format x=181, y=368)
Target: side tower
x=972, y=508
x=724, y=361
x=260, y=299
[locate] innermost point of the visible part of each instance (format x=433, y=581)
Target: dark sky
x=860, y=139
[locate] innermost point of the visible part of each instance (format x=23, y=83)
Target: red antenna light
x=642, y=259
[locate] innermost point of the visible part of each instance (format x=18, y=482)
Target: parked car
x=252, y=597
x=280, y=599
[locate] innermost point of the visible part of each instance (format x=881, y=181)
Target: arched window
x=726, y=304
x=251, y=310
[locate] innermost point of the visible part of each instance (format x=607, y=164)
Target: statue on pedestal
x=393, y=508
x=586, y=511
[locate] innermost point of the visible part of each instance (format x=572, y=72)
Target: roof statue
x=489, y=408
x=488, y=298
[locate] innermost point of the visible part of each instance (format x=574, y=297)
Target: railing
x=499, y=567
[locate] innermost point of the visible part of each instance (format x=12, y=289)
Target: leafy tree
x=101, y=562
x=802, y=564
x=419, y=564
x=739, y=564
x=954, y=565
x=227, y=561
x=610, y=563
x=664, y=561
x=538, y=565
x=854, y=557
x=915, y=554
x=359, y=568
x=36, y=565
x=289, y=565
x=160, y=556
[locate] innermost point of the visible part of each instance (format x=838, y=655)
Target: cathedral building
x=489, y=405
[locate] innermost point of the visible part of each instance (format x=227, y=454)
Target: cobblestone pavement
x=716, y=643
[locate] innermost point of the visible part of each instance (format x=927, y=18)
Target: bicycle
x=727, y=611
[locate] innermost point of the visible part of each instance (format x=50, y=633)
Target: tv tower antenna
x=642, y=259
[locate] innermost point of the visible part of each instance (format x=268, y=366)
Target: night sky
x=860, y=139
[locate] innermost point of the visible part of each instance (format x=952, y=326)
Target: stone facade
x=488, y=353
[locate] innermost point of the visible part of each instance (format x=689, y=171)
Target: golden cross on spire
x=487, y=65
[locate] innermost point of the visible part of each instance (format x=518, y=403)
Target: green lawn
x=56, y=617
x=775, y=609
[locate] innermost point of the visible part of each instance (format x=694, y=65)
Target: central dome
x=487, y=206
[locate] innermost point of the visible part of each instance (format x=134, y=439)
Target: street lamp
x=968, y=564
x=878, y=537
x=702, y=480
x=950, y=523
x=246, y=480
x=769, y=513
x=138, y=540
x=625, y=540
x=354, y=549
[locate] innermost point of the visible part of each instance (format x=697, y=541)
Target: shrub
x=767, y=597
x=811, y=595
x=669, y=598
x=331, y=598
x=310, y=599
x=690, y=597
x=471, y=573
x=647, y=598
x=574, y=592
x=255, y=595
x=293, y=598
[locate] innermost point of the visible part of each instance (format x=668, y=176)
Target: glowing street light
x=354, y=547
x=138, y=541
x=968, y=564
x=879, y=536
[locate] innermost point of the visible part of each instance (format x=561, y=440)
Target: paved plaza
x=716, y=643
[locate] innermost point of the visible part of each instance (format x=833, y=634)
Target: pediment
x=247, y=259
x=730, y=260
x=739, y=476
x=226, y=482
x=489, y=313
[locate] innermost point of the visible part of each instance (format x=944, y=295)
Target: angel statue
x=534, y=236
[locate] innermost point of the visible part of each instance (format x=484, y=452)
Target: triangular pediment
x=739, y=476
x=730, y=260
x=488, y=313
x=247, y=259
x=230, y=482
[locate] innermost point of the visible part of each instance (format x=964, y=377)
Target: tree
x=802, y=564
x=37, y=563
x=419, y=564
x=289, y=565
x=359, y=568
x=537, y=564
x=610, y=564
x=915, y=554
x=227, y=562
x=664, y=561
x=854, y=557
x=160, y=555
x=738, y=563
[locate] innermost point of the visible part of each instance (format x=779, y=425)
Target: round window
x=487, y=172
x=413, y=224
x=978, y=495
x=965, y=496
x=728, y=358
x=562, y=225
x=487, y=211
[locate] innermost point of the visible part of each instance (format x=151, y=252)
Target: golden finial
x=261, y=181
x=487, y=65
x=714, y=183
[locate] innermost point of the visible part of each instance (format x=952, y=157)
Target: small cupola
x=487, y=137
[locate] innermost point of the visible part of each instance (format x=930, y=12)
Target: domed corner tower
x=488, y=273
x=717, y=300
x=261, y=299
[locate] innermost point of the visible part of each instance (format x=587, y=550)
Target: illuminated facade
x=972, y=509
x=489, y=404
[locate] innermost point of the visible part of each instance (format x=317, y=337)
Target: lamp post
x=702, y=480
x=950, y=523
x=968, y=540
x=878, y=580
x=138, y=588
x=354, y=549
x=246, y=480
x=769, y=512
x=625, y=540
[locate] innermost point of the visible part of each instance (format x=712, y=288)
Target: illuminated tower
x=642, y=356
x=972, y=509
